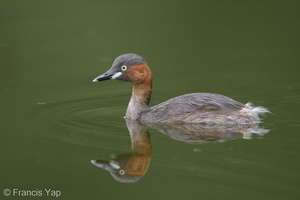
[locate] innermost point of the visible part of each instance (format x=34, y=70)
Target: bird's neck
x=140, y=99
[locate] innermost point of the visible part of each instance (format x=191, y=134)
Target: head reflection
x=132, y=166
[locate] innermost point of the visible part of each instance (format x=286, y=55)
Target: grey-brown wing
x=196, y=102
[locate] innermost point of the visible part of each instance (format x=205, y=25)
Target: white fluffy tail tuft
x=255, y=111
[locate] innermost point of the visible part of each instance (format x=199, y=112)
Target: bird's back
x=198, y=108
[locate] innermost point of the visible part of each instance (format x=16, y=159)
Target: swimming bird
x=191, y=108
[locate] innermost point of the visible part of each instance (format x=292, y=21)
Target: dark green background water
x=54, y=120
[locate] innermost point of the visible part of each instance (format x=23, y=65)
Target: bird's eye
x=124, y=68
x=122, y=172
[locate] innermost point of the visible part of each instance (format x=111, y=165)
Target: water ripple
x=81, y=120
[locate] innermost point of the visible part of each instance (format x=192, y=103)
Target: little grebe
x=189, y=108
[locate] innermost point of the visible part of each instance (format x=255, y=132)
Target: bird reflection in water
x=131, y=167
x=207, y=133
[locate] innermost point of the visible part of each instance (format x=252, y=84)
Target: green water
x=54, y=120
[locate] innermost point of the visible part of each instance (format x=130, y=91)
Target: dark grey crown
x=129, y=60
